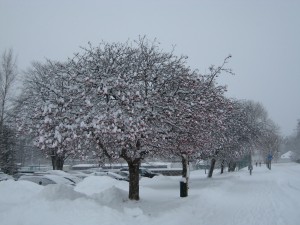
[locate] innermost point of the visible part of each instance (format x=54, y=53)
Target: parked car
x=126, y=174
x=143, y=172
x=147, y=173
x=4, y=176
x=122, y=173
x=47, y=179
x=16, y=176
x=66, y=175
x=115, y=175
x=78, y=174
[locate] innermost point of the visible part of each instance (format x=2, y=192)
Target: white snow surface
x=265, y=198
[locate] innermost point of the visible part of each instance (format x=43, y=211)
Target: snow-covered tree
x=196, y=119
x=127, y=89
x=238, y=136
x=270, y=142
x=47, y=109
x=246, y=129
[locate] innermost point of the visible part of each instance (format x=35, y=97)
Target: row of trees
x=292, y=143
x=133, y=101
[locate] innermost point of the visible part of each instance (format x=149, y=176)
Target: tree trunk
x=184, y=161
x=134, y=180
x=185, y=176
x=222, y=167
x=231, y=166
x=57, y=162
x=269, y=164
x=212, y=166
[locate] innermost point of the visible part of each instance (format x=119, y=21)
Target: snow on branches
x=47, y=109
x=131, y=101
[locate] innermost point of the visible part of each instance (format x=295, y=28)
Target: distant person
x=256, y=164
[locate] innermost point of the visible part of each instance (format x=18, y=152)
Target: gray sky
x=262, y=36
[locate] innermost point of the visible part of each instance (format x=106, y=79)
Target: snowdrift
x=266, y=197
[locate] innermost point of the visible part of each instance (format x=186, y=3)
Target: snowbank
x=97, y=184
x=265, y=198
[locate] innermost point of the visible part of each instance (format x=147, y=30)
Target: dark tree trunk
x=222, y=167
x=134, y=175
x=184, y=162
x=134, y=180
x=185, y=183
x=57, y=162
x=53, y=162
x=212, y=167
x=269, y=164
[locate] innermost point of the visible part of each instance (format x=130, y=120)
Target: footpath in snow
x=265, y=198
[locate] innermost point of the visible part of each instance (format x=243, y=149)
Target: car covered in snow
x=4, y=176
x=80, y=174
x=66, y=175
x=46, y=179
x=116, y=175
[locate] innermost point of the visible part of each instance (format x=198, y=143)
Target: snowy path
x=265, y=198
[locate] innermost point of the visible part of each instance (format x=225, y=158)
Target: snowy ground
x=265, y=198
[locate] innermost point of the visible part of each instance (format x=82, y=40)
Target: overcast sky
x=263, y=36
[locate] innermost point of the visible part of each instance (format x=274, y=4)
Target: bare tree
x=8, y=73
